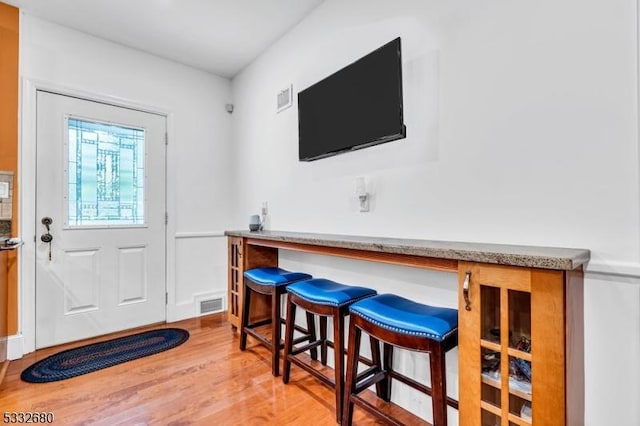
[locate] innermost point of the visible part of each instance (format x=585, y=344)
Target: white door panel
x=101, y=179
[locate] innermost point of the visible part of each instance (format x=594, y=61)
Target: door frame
x=25, y=341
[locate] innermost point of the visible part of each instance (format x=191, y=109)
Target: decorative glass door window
x=105, y=174
x=506, y=355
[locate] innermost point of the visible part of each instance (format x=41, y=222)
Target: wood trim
x=547, y=348
x=3, y=370
x=505, y=310
x=469, y=348
x=9, y=42
x=3, y=304
x=438, y=264
x=574, y=355
x=511, y=277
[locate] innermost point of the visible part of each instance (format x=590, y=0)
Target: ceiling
x=218, y=36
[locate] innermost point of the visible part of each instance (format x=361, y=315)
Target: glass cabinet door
x=496, y=342
x=512, y=347
x=505, y=343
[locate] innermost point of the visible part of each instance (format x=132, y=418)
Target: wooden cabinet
x=520, y=346
x=243, y=256
x=235, y=280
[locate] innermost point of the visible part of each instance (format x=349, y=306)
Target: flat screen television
x=355, y=107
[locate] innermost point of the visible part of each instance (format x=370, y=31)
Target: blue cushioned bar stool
x=400, y=322
x=324, y=298
x=273, y=282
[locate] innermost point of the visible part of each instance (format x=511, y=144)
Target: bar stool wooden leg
x=438, y=386
x=312, y=333
x=246, y=303
x=323, y=338
x=381, y=386
x=353, y=353
x=275, y=339
x=288, y=340
x=338, y=351
x=388, y=368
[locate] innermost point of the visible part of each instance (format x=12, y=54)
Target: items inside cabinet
x=506, y=354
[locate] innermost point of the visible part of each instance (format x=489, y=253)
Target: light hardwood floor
x=207, y=381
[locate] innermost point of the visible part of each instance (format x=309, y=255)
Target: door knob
x=46, y=238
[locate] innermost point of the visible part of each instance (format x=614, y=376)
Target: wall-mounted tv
x=356, y=107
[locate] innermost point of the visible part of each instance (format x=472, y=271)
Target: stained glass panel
x=105, y=174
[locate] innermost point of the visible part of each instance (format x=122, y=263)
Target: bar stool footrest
x=257, y=336
x=312, y=345
x=365, y=405
x=299, y=339
x=309, y=369
x=259, y=323
x=419, y=386
x=297, y=327
x=377, y=377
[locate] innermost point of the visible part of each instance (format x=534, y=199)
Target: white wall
x=521, y=128
x=199, y=186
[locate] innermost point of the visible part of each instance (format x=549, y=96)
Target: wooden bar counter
x=522, y=305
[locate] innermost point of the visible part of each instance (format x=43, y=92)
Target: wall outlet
x=265, y=208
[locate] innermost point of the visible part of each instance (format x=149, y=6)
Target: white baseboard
x=15, y=347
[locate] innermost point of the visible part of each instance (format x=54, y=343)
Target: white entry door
x=100, y=189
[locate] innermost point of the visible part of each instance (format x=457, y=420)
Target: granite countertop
x=557, y=258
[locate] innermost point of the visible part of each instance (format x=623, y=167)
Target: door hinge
x=166, y=298
x=166, y=139
x=166, y=218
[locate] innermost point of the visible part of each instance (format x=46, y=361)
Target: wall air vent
x=285, y=98
x=211, y=305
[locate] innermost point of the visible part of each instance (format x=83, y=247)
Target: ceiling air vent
x=285, y=98
x=211, y=305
